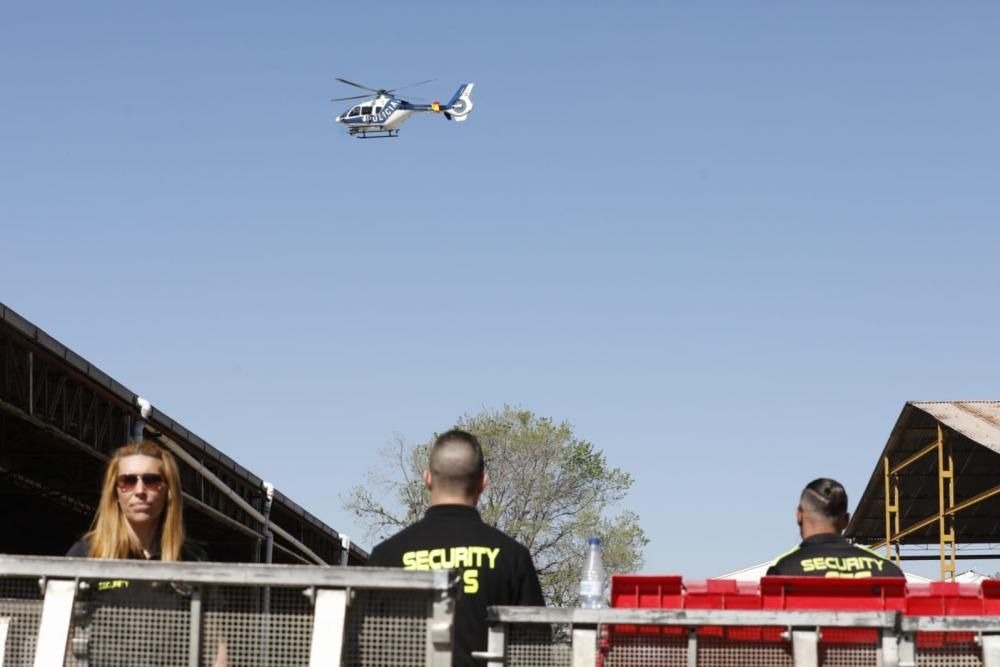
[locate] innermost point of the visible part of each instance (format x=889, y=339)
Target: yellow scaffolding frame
x=947, y=508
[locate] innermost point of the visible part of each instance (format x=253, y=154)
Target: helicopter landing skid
x=362, y=133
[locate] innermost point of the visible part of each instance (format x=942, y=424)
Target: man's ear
x=484, y=481
x=798, y=515
x=427, y=479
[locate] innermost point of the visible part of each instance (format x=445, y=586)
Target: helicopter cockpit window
x=354, y=112
x=366, y=110
x=378, y=110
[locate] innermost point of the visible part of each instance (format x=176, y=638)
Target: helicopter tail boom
x=460, y=106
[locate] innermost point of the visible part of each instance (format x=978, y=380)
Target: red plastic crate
x=640, y=591
x=947, y=598
x=726, y=594
x=820, y=593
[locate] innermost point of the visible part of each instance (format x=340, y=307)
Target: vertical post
x=496, y=645
x=907, y=650
x=895, y=494
x=53, y=630
x=327, y=643
x=345, y=545
x=692, y=660
x=888, y=507
x=440, y=635
x=4, y=624
x=584, y=647
x=888, y=649
x=265, y=621
x=991, y=650
x=805, y=648
x=31, y=382
x=950, y=476
x=945, y=493
x=194, y=637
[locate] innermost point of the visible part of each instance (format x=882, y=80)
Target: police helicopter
x=382, y=115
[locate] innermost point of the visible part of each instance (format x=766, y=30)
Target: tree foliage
x=548, y=489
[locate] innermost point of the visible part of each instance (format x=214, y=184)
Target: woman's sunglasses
x=150, y=480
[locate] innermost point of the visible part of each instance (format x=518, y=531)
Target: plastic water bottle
x=592, y=580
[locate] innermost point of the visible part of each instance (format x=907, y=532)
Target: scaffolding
x=937, y=491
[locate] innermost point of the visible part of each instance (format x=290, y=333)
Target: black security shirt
x=831, y=555
x=495, y=569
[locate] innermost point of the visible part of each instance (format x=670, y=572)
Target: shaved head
x=456, y=464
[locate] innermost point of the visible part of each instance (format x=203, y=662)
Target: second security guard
x=822, y=515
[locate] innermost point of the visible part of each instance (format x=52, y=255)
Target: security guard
x=495, y=569
x=822, y=515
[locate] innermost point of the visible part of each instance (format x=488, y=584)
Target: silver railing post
x=4, y=624
x=991, y=650
x=584, y=646
x=907, y=650
x=887, y=652
x=692, y=647
x=805, y=647
x=194, y=636
x=53, y=631
x=496, y=644
x=440, y=630
x=328, y=628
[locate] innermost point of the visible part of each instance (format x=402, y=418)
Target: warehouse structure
x=61, y=418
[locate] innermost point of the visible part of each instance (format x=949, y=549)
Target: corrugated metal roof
x=972, y=428
x=976, y=420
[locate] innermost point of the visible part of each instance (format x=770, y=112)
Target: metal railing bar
x=238, y=574
x=736, y=617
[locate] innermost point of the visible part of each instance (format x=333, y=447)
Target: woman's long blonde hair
x=110, y=535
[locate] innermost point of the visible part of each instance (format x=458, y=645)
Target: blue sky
x=725, y=240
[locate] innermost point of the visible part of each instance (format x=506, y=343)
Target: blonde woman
x=140, y=514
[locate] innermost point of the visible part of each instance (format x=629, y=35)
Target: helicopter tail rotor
x=460, y=106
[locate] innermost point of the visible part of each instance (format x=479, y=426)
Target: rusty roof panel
x=977, y=420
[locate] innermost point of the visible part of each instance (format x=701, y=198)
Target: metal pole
x=194, y=637
x=265, y=625
x=54, y=626
x=888, y=509
x=805, y=645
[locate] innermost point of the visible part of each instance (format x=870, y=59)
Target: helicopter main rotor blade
x=419, y=83
x=357, y=85
x=355, y=97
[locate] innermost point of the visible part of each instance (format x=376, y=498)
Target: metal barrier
x=545, y=637
x=97, y=613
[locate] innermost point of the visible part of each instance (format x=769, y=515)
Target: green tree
x=548, y=489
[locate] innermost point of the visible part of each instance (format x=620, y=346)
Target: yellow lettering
x=435, y=557
x=410, y=560
x=112, y=584
x=471, y=579
x=807, y=566
x=832, y=563
x=460, y=557
x=492, y=555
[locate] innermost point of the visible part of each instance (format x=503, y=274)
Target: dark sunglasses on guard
x=151, y=481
